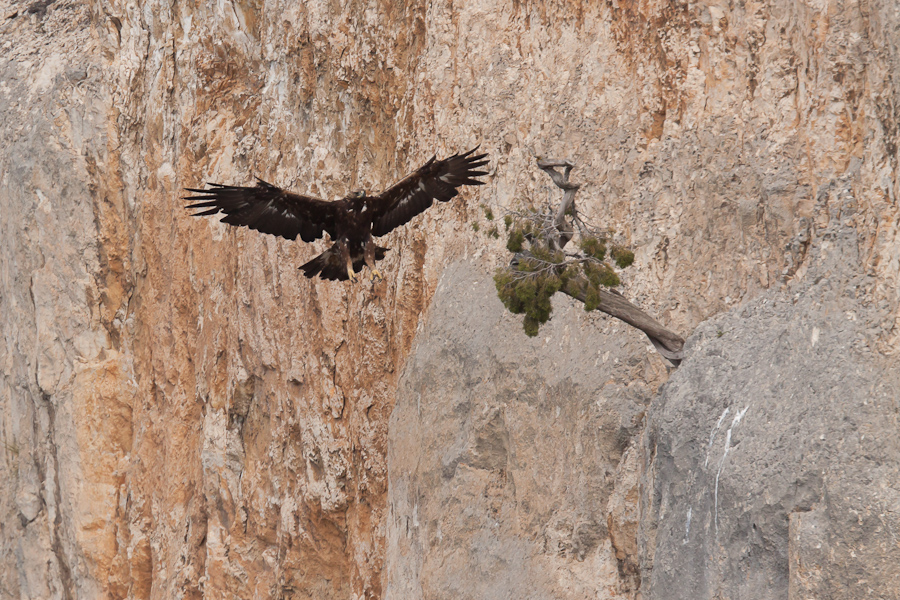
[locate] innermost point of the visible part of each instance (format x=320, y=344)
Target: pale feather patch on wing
x=436, y=180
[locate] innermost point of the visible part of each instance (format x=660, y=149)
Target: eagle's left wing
x=269, y=209
x=436, y=179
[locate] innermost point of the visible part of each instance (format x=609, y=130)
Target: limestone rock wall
x=771, y=471
x=184, y=415
x=512, y=469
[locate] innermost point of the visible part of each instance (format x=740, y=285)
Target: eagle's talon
x=376, y=273
x=353, y=277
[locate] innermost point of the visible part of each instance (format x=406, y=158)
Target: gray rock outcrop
x=771, y=459
x=507, y=454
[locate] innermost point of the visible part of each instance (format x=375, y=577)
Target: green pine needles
x=544, y=262
x=541, y=267
x=557, y=250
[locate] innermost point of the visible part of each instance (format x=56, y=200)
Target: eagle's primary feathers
x=351, y=222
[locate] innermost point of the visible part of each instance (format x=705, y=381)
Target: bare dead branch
x=669, y=344
x=563, y=227
x=549, y=166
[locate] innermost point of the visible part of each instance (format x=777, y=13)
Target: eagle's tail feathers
x=316, y=265
x=328, y=264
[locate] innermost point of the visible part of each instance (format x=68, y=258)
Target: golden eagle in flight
x=351, y=222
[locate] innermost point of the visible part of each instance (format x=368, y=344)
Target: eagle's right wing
x=269, y=209
x=435, y=180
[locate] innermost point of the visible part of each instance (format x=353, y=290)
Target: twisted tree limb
x=669, y=344
x=563, y=227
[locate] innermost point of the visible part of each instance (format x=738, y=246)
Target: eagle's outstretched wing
x=436, y=179
x=269, y=209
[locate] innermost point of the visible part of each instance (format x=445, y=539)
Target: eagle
x=351, y=222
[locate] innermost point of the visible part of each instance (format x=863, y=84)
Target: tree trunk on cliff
x=669, y=344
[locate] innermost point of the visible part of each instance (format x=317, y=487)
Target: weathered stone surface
x=504, y=452
x=155, y=446
x=183, y=415
x=771, y=468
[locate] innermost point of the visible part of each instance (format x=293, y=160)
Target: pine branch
x=554, y=230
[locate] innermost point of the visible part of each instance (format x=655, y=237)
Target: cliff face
x=184, y=415
x=511, y=464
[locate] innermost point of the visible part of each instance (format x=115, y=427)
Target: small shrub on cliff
x=624, y=258
x=540, y=268
x=544, y=263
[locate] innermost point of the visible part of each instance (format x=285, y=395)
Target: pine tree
x=545, y=263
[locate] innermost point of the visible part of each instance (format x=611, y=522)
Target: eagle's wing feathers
x=435, y=180
x=267, y=208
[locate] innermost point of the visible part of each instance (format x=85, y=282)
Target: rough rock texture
x=182, y=415
x=770, y=465
x=507, y=476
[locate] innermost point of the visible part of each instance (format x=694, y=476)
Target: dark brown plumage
x=350, y=222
